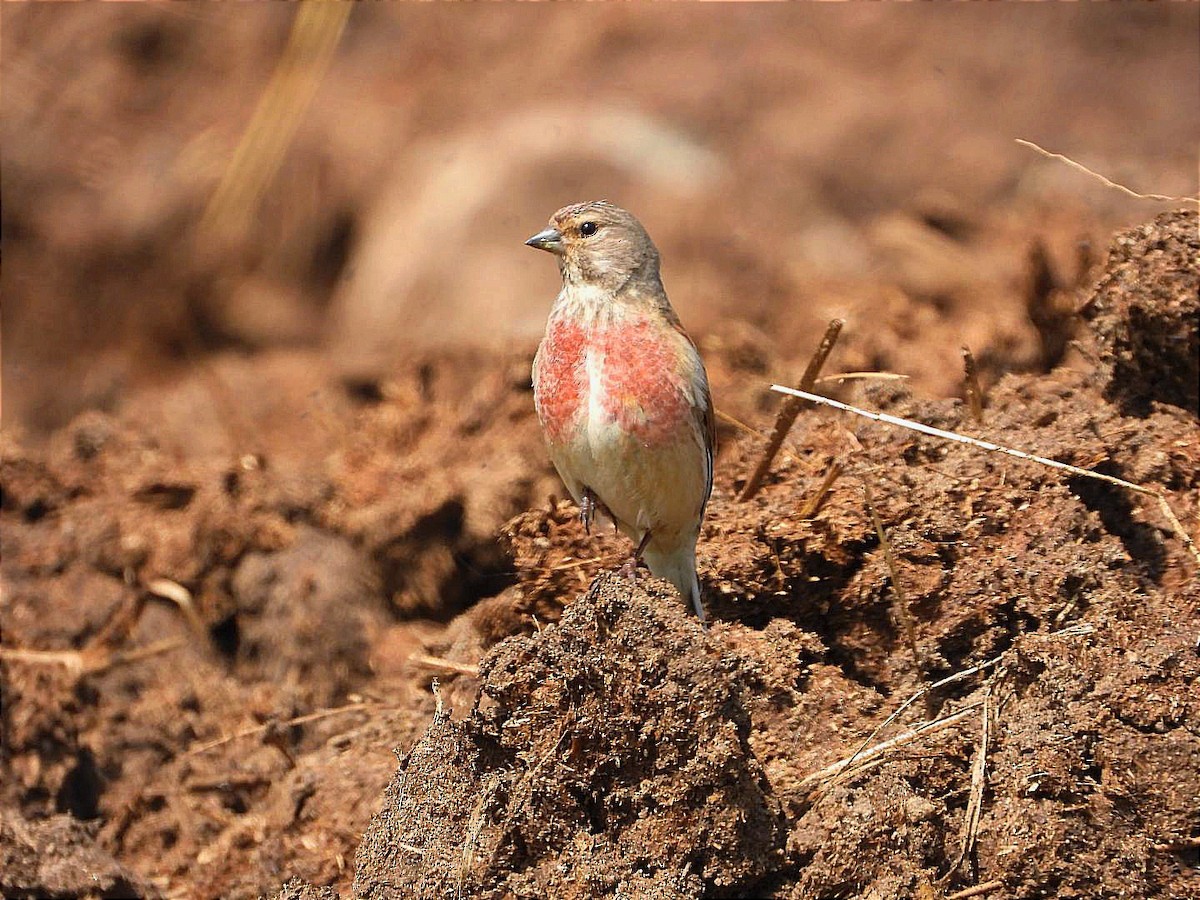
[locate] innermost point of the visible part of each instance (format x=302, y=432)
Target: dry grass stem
x=89, y=661
x=72, y=660
x=225, y=782
x=181, y=597
x=1105, y=181
x=870, y=757
x=1189, y=843
x=1169, y=514
x=977, y=891
x=316, y=30
x=978, y=781
x=971, y=385
x=445, y=665
x=474, y=830
x=298, y=720
x=903, y=613
x=814, y=503
x=751, y=430
x=125, y=657
x=1072, y=631
x=575, y=564
x=860, y=376
x=790, y=409
x=1176, y=525
x=523, y=790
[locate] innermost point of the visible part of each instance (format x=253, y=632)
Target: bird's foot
x=629, y=569
x=587, y=509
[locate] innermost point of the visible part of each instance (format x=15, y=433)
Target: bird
x=622, y=394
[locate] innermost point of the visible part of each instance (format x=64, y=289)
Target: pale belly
x=660, y=489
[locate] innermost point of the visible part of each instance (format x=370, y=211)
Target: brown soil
x=238, y=550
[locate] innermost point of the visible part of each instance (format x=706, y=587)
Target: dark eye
x=587, y=229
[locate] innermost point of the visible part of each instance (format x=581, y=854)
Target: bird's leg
x=629, y=569
x=587, y=509
x=641, y=547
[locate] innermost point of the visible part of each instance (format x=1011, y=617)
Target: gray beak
x=550, y=239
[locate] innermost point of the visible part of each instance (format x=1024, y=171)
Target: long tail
x=678, y=566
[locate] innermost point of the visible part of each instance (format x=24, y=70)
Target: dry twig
x=971, y=385
x=790, y=409
x=903, y=613
x=814, y=503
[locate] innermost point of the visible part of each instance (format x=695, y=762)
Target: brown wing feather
x=706, y=419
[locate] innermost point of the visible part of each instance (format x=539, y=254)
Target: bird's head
x=600, y=245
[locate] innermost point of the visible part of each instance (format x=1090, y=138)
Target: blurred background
x=306, y=189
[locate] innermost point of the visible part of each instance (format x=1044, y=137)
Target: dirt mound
x=1145, y=311
x=625, y=750
x=608, y=753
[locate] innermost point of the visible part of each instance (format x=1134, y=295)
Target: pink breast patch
x=561, y=379
x=641, y=382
